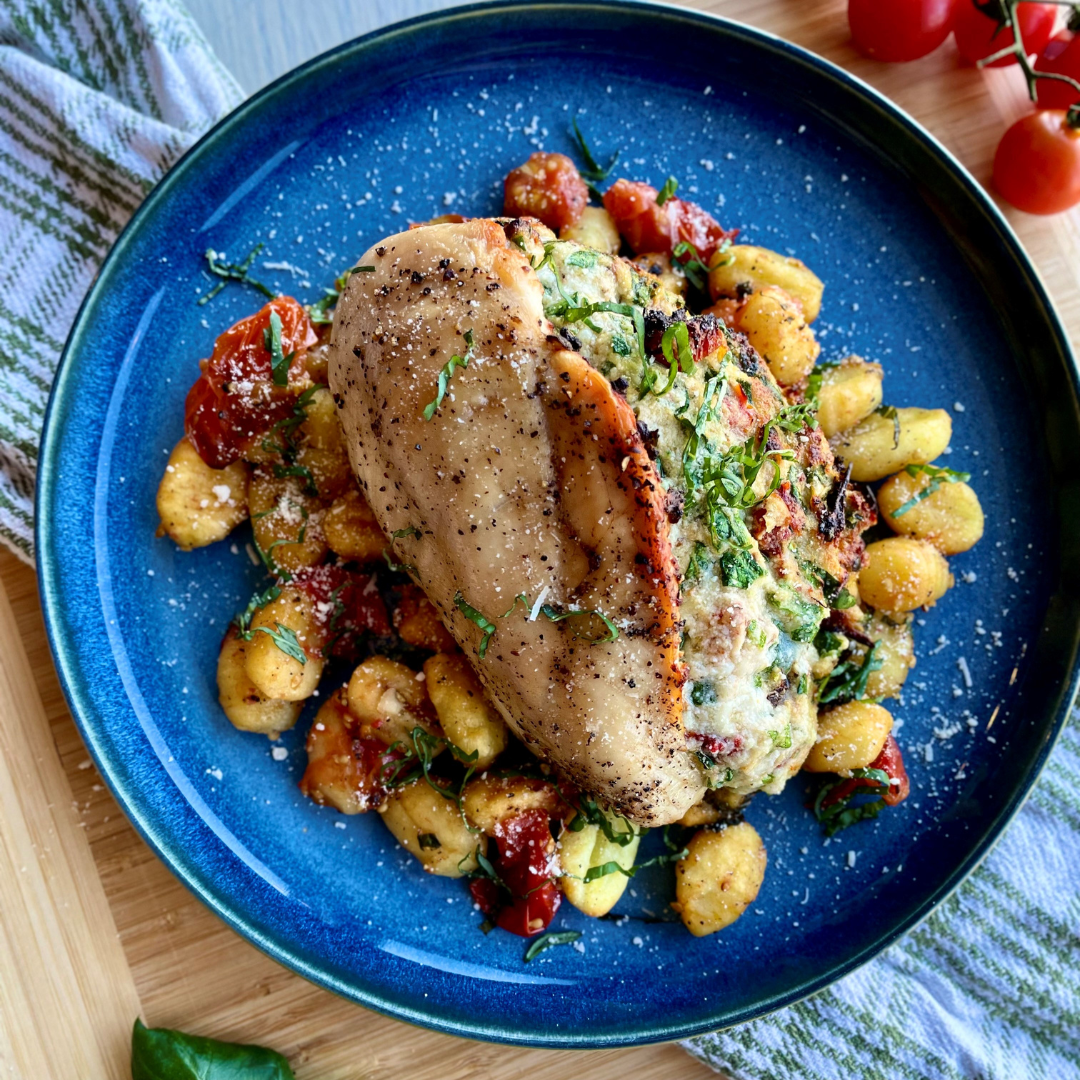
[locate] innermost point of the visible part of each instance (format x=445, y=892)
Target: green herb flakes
x=474, y=616
x=671, y=185
x=563, y=937
x=455, y=361
x=286, y=640
x=938, y=475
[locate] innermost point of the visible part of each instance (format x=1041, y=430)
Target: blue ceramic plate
x=424, y=118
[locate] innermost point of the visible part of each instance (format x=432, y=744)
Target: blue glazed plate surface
x=425, y=118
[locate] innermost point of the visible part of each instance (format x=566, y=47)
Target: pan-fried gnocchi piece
x=199, y=505
x=286, y=520
x=775, y=326
x=416, y=619
x=895, y=650
x=431, y=827
x=490, y=799
x=351, y=529
x=595, y=229
x=885, y=443
x=581, y=851
x=270, y=664
x=743, y=268
x=850, y=392
x=341, y=771
x=719, y=878
x=242, y=701
x=390, y=700
x=849, y=737
x=467, y=718
x=950, y=518
x=901, y=574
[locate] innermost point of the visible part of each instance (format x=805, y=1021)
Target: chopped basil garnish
x=670, y=187
x=397, y=567
x=847, y=681
x=593, y=173
x=415, y=763
x=841, y=814
x=455, y=361
x=475, y=616
x=362, y=270
x=279, y=362
x=563, y=937
x=612, y=867
x=232, y=272
x=412, y=530
x=678, y=334
x=583, y=258
x=428, y=840
x=938, y=475
x=242, y=622
x=286, y=640
x=686, y=256
x=589, y=813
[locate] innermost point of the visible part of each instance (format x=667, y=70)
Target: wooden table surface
x=93, y=929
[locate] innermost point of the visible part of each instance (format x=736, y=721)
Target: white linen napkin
x=97, y=100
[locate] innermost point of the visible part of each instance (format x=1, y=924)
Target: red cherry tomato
x=346, y=604
x=897, y=30
x=526, y=865
x=1037, y=164
x=235, y=402
x=891, y=762
x=548, y=187
x=649, y=226
x=1060, y=57
x=980, y=29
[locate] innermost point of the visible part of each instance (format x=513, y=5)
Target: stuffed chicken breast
x=627, y=527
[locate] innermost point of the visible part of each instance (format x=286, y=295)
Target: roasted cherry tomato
x=346, y=604
x=891, y=762
x=897, y=30
x=647, y=225
x=526, y=865
x=235, y=401
x=548, y=187
x=1037, y=164
x=1060, y=57
x=979, y=26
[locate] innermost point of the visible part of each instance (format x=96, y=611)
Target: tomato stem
x=1017, y=49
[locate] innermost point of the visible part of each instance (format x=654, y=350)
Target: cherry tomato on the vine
x=897, y=30
x=979, y=26
x=1061, y=56
x=1037, y=164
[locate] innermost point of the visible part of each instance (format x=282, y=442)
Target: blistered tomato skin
x=234, y=402
x=346, y=605
x=547, y=187
x=979, y=35
x=899, y=30
x=648, y=226
x=525, y=864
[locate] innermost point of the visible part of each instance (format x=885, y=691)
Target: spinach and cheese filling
x=763, y=528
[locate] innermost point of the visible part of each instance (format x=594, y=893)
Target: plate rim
x=78, y=696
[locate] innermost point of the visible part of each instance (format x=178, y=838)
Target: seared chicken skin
x=526, y=506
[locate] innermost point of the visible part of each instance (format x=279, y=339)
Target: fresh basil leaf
x=162, y=1054
x=242, y=622
x=428, y=841
x=671, y=185
x=286, y=640
x=479, y=619
x=564, y=937
x=611, y=630
x=938, y=475
x=455, y=361
x=593, y=172
x=279, y=363
x=232, y=272
x=847, y=681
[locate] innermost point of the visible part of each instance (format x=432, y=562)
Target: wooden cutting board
x=94, y=930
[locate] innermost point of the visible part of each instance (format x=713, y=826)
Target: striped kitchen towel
x=987, y=988
x=97, y=99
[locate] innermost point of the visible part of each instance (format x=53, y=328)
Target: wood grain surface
x=93, y=929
